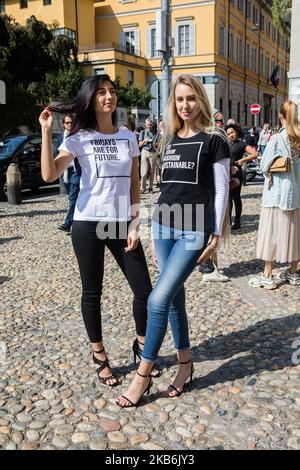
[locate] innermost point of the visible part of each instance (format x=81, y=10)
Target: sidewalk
x=246, y=391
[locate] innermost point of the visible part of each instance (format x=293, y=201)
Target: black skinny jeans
x=89, y=250
x=235, y=196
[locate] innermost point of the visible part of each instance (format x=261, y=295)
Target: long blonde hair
x=289, y=111
x=172, y=123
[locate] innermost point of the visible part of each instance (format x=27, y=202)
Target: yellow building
x=231, y=44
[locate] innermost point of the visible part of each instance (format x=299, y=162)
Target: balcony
x=110, y=46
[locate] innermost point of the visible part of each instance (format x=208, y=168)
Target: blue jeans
x=72, y=188
x=177, y=252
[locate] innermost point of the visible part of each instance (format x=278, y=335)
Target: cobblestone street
x=246, y=390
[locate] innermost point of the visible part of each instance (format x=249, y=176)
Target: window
x=184, y=40
x=130, y=42
x=267, y=68
x=241, y=5
x=47, y=2
x=70, y=33
x=269, y=28
x=248, y=56
x=23, y=4
x=222, y=40
x=130, y=77
x=255, y=15
x=221, y=105
x=248, y=8
x=99, y=71
x=2, y=6
x=262, y=22
x=240, y=50
x=254, y=59
x=231, y=47
x=246, y=114
x=230, y=108
x=238, y=112
x=273, y=33
x=261, y=64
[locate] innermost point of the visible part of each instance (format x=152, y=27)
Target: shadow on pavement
x=252, y=196
x=249, y=224
x=4, y=279
x=243, y=268
x=35, y=213
x=270, y=347
x=7, y=240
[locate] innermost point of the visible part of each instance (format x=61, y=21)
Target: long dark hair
x=82, y=105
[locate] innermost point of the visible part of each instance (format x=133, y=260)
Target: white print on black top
x=177, y=165
x=109, y=150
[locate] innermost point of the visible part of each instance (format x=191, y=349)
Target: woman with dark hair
x=107, y=208
x=238, y=148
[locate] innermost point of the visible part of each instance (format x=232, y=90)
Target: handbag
x=280, y=165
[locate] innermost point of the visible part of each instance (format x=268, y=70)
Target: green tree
x=278, y=9
x=20, y=109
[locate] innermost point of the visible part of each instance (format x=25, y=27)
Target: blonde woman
x=279, y=225
x=186, y=224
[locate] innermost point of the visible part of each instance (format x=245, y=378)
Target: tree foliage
x=278, y=9
x=37, y=66
x=132, y=96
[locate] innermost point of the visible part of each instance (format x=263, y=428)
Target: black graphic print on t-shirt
x=188, y=180
x=177, y=163
x=108, y=150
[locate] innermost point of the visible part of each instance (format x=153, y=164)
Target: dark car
x=26, y=151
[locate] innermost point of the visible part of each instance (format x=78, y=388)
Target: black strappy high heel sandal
x=178, y=392
x=137, y=351
x=103, y=365
x=147, y=390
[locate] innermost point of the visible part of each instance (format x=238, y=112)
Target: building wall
x=35, y=7
x=101, y=27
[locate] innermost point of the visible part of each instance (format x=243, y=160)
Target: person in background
x=279, y=224
x=71, y=179
x=210, y=269
x=264, y=138
x=238, y=148
x=219, y=119
x=148, y=155
x=252, y=137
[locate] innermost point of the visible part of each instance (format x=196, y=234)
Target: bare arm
x=132, y=240
x=51, y=168
x=251, y=155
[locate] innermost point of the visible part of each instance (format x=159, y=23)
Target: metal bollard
x=14, y=184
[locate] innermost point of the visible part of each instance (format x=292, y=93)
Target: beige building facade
x=232, y=45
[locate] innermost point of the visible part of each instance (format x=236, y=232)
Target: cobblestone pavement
x=246, y=391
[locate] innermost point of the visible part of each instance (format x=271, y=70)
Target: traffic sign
x=255, y=108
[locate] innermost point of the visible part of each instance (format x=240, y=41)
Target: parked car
x=26, y=151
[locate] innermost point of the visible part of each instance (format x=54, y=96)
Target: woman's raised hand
x=46, y=119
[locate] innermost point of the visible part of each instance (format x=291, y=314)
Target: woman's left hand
x=132, y=240
x=211, y=247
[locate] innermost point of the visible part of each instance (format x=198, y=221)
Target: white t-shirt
x=106, y=161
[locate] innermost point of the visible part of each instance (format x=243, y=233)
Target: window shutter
x=122, y=40
x=137, y=46
x=148, y=43
x=192, y=39
x=176, y=40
